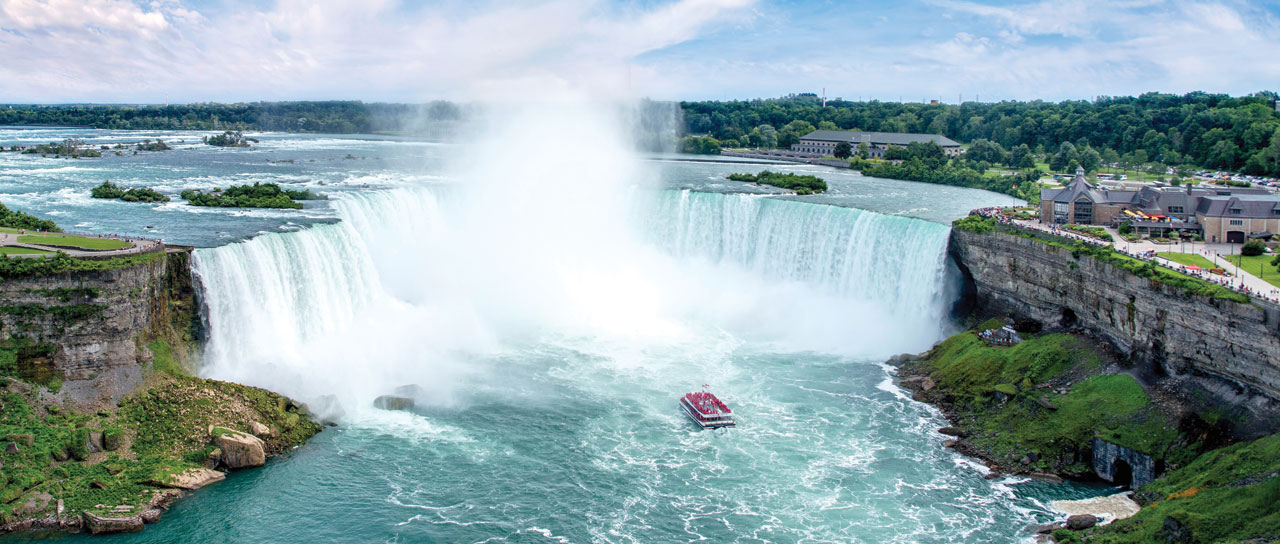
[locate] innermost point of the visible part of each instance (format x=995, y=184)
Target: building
x=824, y=142
x=1220, y=214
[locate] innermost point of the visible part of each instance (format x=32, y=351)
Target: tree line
x=333, y=117
x=1206, y=130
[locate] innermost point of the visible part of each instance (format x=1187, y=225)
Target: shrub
x=1253, y=248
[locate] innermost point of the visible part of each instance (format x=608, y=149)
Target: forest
x=1201, y=129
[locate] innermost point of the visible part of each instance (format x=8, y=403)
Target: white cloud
x=370, y=49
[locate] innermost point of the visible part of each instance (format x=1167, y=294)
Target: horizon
x=112, y=52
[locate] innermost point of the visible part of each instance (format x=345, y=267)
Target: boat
x=706, y=410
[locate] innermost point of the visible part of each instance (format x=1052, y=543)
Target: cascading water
x=397, y=293
x=551, y=305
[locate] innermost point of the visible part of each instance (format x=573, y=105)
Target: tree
x=764, y=136
x=1090, y=160
x=864, y=150
x=843, y=150
x=1110, y=157
x=1020, y=157
x=1253, y=248
x=1065, y=156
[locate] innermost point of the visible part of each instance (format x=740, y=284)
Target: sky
x=150, y=51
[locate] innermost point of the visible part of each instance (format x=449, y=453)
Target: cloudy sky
x=406, y=50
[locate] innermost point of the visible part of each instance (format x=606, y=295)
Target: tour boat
x=706, y=410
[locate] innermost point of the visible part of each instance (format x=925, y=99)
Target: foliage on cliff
x=119, y=457
x=23, y=221
x=136, y=194
x=20, y=267
x=1045, y=399
x=258, y=195
x=1230, y=494
x=801, y=184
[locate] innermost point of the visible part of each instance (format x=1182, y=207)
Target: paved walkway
x=136, y=246
x=1240, y=280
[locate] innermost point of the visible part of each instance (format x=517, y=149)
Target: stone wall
x=91, y=327
x=1229, y=349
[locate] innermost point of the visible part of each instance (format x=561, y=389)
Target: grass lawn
x=1252, y=265
x=5, y=250
x=81, y=242
x=1189, y=259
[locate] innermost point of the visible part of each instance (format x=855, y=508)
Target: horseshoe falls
x=543, y=313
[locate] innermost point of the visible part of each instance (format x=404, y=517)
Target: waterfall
x=410, y=285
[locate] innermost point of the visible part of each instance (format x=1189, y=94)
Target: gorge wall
x=87, y=331
x=1228, y=349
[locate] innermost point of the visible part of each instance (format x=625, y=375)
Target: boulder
x=949, y=443
x=1080, y=522
x=239, y=450
x=11, y=448
x=194, y=478
x=954, y=431
x=61, y=455
x=927, y=384
x=1044, y=529
x=24, y=439
x=394, y=403
x=1175, y=531
x=150, y=516
x=100, y=524
x=259, y=430
x=1042, y=401
x=213, y=459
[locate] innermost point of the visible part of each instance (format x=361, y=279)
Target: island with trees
x=801, y=184
x=258, y=195
x=110, y=190
x=230, y=138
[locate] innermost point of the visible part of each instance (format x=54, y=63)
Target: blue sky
x=220, y=50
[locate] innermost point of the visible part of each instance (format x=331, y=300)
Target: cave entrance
x=1068, y=318
x=1121, y=473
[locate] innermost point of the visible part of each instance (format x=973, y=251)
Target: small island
x=230, y=138
x=802, y=185
x=264, y=195
x=136, y=194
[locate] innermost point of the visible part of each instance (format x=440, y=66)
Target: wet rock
x=239, y=450
x=1080, y=522
x=954, y=431
x=100, y=524
x=1045, y=477
x=1044, y=529
x=393, y=403
x=949, y=443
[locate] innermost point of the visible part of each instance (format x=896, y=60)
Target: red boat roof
x=707, y=403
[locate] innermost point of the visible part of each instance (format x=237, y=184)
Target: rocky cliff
x=1230, y=350
x=86, y=332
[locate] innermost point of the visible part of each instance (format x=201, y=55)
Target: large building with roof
x=824, y=142
x=1220, y=214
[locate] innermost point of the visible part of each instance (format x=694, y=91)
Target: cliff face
x=88, y=330
x=1230, y=349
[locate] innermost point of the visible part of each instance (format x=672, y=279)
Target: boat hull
x=705, y=423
